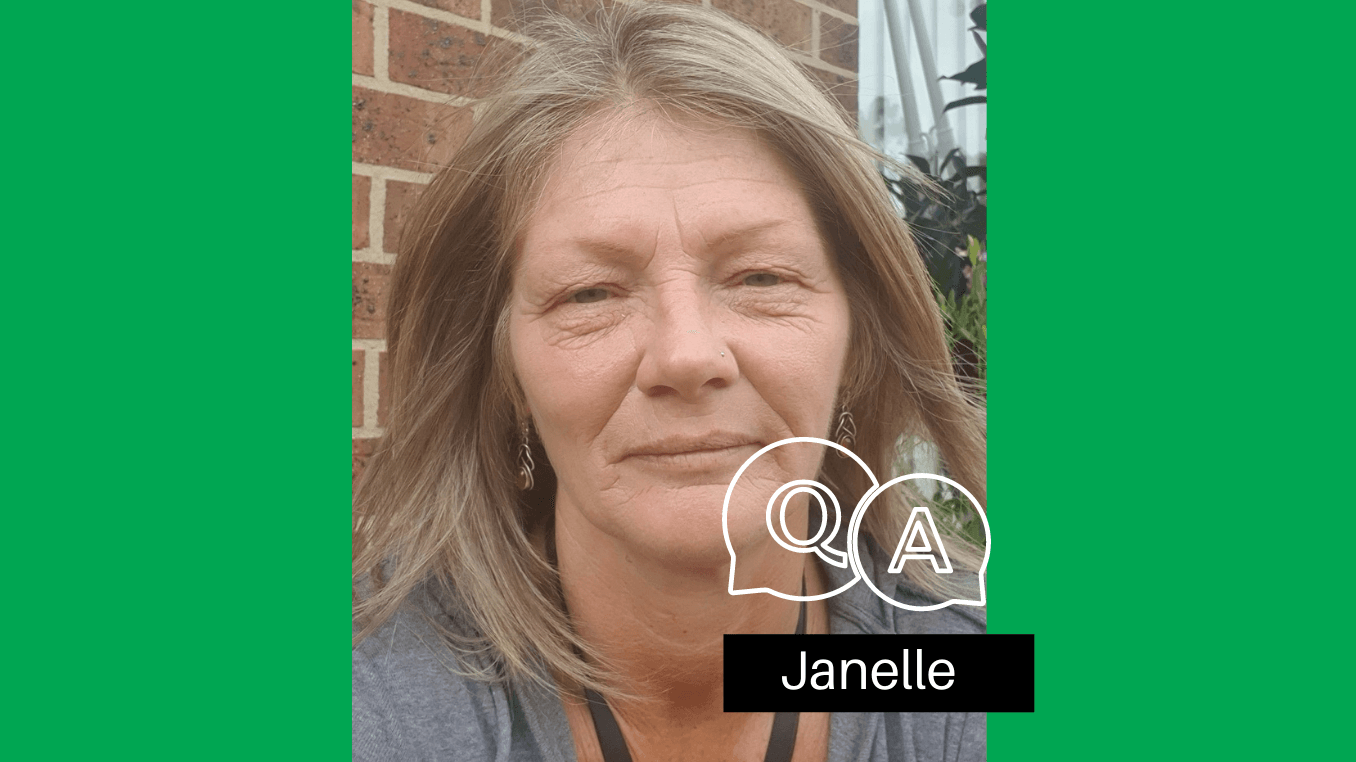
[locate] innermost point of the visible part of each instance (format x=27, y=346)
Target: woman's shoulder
x=414, y=697
x=886, y=736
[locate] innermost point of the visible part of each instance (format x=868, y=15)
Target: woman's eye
x=762, y=279
x=589, y=295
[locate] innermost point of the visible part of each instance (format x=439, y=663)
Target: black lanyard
x=779, y=746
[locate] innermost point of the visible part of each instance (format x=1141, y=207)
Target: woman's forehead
x=645, y=130
x=639, y=174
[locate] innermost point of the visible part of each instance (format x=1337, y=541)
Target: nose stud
x=722, y=354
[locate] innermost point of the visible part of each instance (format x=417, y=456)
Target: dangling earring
x=525, y=464
x=846, y=432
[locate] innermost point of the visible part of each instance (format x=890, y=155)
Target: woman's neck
x=660, y=626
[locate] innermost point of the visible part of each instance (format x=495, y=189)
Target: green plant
x=967, y=317
x=977, y=74
x=956, y=513
x=947, y=212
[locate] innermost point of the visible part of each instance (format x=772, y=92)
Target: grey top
x=408, y=704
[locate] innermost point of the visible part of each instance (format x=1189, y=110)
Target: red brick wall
x=412, y=61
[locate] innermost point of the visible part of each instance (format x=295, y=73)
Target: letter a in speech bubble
x=919, y=544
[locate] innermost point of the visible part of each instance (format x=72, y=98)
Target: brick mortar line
x=383, y=172
x=822, y=8
x=406, y=6
x=481, y=25
x=814, y=32
x=486, y=11
x=410, y=91
x=376, y=218
x=371, y=390
x=365, y=433
x=806, y=58
x=381, y=44
x=373, y=256
x=374, y=345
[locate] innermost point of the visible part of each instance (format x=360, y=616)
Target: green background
x=178, y=525
x=1168, y=392
x=1169, y=401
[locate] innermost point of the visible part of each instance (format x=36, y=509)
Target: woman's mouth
x=713, y=450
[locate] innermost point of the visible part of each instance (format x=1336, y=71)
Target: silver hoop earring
x=525, y=463
x=845, y=434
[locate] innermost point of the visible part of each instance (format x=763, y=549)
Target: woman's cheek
x=796, y=371
x=578, y=327
x=586, y=368
x=783, y=302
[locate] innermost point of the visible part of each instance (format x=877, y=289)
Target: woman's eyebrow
x=606, y=248
x=730, y=240
x=745, y=236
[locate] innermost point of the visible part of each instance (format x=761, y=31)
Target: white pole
x=912, y=126
x=945, y=140
x=960, y=48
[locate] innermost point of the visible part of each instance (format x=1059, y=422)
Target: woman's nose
x=686, y=355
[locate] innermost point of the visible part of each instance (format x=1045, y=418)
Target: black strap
x=785, y=724
x=780, y=744
x=610, y=738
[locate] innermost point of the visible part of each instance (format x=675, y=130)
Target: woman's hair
x=439, y=503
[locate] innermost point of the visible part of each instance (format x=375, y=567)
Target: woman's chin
x=680, y=526
x=686, y=526
x=692, y=533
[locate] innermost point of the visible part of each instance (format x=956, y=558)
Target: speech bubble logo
x=919, y=543
x=914, y=543
x=777, y=504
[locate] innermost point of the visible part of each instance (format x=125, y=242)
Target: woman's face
x=674, y=309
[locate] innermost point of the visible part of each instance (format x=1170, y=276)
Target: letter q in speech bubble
x=776, y=519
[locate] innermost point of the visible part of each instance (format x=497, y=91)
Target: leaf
x=983, y=48
x=979, y=15
x=970, y=101
x=975, y=74
x=954, y=157
x=974, y=528
x=921, y=163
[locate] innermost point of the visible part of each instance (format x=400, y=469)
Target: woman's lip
x=719, y=458
x=675, y=446
x=701, y=451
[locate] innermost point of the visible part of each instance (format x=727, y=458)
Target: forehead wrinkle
x=686, y=186
x=610, y=161
x=677, y=223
